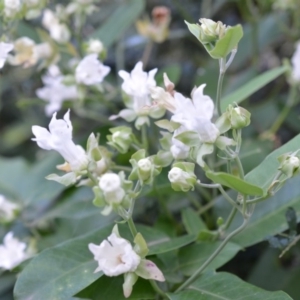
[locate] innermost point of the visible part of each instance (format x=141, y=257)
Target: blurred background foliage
x=58, y=214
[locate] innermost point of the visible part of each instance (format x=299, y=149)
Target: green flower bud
x=182, y=176
x=211, y=31
x=143, y=168
x=289, y=164
x=238, y=116
x=121, y=138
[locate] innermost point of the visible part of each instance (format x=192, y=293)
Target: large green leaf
x=15, y=182
x=111, y=289
x=193, y=256
x=235, y=183
x=252, y=86
x=62, y=271
x=119, y=21
x=225, y=286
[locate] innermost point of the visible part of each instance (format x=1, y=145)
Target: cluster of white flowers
x=12, y=252
x=59, y=138
x=137, y=86
x=12, y=8
x=55, y=92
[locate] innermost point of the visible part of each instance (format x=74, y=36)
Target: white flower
x=7, y=209
x=94, y=46
x=90, y=70
x=196, y=114
x=12, y=252
x=12, y=7
x=24, y=52
x=59, y=138
x=111, y=186
x=115, y=256
x=296, y=64
x=58, y=31
x=137, y=86
x=54, y=91
x=4, y=49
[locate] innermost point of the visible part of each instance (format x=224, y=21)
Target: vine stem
x=220, y=83
x=213, y=256
x=157, y=289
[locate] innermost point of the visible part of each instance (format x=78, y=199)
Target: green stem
x=92, y=178
x=230, y=218
x=208, y=185
x=157, y=289
x=132, y=227
x=228, y=198
x=219, y=88
x=240, y=167
x=213, y=256
x=207, y=206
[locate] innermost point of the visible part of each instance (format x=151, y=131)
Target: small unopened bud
x=211, y=31
x=111, y=186
x=145, y=167
x=95, y=46
x=239, y=117
x=181, y=180
x=290, y=165
x=220, y=221
x=121, y=138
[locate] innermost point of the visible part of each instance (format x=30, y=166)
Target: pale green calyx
x=121, y=138
x=143, y=168
x=182, y=176
x=238, y=116
x=289, y=164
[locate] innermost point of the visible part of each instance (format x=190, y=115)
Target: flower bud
x=121, y=138
x=289, y=164
x=111, y=186
x=145, y=167
x=238, y=116
x=182, y=177
x=211, y=31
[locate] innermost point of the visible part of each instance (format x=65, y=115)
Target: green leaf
x=119, y=21
x=192, y=222
x=172, y=244
x=235, y=183
x=111, y=289
x=28, y=189
x=252, y=86
x=227, y=43
x=189, y=138
x=193, y=256
x=225, y=286
x=61, y=271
